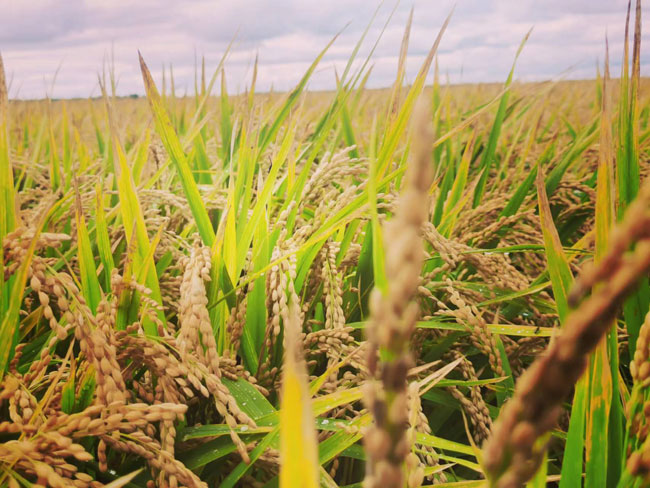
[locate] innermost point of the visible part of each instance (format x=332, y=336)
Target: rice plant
x=422, y=285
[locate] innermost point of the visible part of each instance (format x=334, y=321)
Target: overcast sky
x=37, y=37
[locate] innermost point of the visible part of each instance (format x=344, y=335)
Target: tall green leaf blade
x=627, y=167
x=561, y=281
x=139, y=250
x=558, y=265
x=605, y=428
x=396, y=129
x=170, y=140
x=102, y=238
x=89, y=282
x=490, y=150
x=7, y=197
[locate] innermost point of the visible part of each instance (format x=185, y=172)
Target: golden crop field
x=414, y=286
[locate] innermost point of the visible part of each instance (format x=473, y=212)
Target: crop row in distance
x=313, y=289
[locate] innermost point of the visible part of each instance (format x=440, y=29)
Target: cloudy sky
x=39, y=37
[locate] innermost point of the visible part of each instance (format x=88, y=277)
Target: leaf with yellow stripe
x=170, y=140
x=135, y=228
x=627, y=164
x=558, y=266
x=89, y=282
x=561, y=281
x=605, y=418
x=299, y=466
x=103, y=240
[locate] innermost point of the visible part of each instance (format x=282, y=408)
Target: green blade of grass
x=298, y=444
x=165, y=130
x=558, y=266
x=396, y=129
x=561, y=281
x=627, y=167
x=379, y=272
x=135, y=229
x=242, y=468
x=605, y=426
x=102, y=238
x=89, y=281
x=458, y=186
x=268, y=132
x=7, y=197
x=488, y=155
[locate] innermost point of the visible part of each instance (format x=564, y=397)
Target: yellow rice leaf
x=299, y=465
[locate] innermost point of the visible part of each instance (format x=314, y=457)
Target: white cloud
x=37, y=37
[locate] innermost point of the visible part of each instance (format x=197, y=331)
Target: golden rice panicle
x=474, y=406
x=100, y=349
x=638, y=407
x=418, y=422
x=332, y=289
x=481, y=337
x=237, y=321
x=640, y=364
x=512, y=454
x=393, y=318
x=195, y=327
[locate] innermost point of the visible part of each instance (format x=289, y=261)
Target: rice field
x=420, y=285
